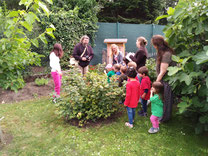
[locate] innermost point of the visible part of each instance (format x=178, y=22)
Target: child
x=56, y=73
x=110, y=70
x=122, y=77
x=145, y=89
x=132, y=95
x=117, y=69
x=157, y=106
x=132, y=64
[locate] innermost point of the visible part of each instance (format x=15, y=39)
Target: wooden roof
x=116, y=40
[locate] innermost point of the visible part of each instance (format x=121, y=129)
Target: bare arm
x=163, y=70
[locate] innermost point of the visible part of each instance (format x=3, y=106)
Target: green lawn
x=37, y=130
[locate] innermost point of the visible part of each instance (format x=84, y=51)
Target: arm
x=145, y=93
x=128, y=95
x=137, y=57
x=163, y=70
x=75, y=53
x=91, y=53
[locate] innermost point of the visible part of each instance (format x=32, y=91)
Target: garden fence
x=121, y=30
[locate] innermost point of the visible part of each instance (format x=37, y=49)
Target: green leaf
x=26, y=25
x=43, y=39
x=50, y=1
x=182, y=107
x=207, y=82
x=173, y=70
x=35, y=42
x=44, y=8
x=175, y=58
x=186, y=78
x=13, y=14
x=161, y=17
x=170, y=11
x=201, y=57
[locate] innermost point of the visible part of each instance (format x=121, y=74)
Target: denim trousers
x=57, y=82
x=131, y=114
x=144, y=105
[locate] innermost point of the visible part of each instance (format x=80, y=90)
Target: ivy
x=187, y=33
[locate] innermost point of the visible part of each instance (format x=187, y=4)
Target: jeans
x=144, y=105
x=155, y=121
x=57, y=82
x=131, y=114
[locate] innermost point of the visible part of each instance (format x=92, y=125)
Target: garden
x=88, y=118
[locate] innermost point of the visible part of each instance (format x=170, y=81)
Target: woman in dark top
x=141, y=54
x=164, y=54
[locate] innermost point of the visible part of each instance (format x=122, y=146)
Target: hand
x=131, y=56
x=84, y=59
x=143, y=96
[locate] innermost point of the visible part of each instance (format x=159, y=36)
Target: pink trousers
x=155, y=121
x=57, y=82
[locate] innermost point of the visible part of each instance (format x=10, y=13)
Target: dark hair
x=131, y=72
x=123, y=69
x=159, y=88
x=143, y=70
x=162, y=46
x=57, y=49
x=117, y=66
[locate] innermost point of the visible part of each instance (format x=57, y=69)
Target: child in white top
x=56, y=73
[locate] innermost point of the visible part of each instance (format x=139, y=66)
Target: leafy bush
x=99, y=68
x=41, y=81
x=76, y=19
x=151, y=65
x=89, y=98
x=187, y=32
x=15, y=42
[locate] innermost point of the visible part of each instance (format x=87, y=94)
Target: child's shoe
x=153, y=130
x=129, y=125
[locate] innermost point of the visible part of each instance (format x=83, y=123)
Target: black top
x=78, y=50
x=139, y=58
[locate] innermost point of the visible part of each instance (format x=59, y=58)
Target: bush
x=89, y=98
x=41, y=81
x=151, y=65
x=187, y=32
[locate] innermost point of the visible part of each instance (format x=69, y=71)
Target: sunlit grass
x=37, y=130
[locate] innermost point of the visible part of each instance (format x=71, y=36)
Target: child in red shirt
x=132, y=95
x=145, y=89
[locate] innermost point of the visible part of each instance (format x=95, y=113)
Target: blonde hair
x=83, y=37
x=132, y=64
x=117, y=49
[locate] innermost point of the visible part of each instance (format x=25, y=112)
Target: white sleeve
x=54, y=63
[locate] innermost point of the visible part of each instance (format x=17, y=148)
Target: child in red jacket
x=145, y=89
x=132, y=95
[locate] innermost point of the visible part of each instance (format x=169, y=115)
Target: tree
x=15, y=41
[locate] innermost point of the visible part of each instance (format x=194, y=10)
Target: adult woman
x=164, y=54
x=116, y=54
x=141, y=54
x=83, y=53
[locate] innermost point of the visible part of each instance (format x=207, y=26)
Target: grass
x=38, y=131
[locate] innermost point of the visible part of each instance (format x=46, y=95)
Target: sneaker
x=153, y=130
x=129, y=125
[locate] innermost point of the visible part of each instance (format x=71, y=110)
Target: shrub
x=41, y=81
x=151, y=65
x=89, y=98
x=187, y=32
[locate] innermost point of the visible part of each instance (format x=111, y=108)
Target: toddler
x=117, y=69
x=110, y=71
x=145, y=89
x=156, y=105
x=132, y=95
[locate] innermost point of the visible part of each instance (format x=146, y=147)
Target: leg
x=155, y=121
x=133, y=110
x=85, y=70
x=144, y=105
x=57, y=82
x=130, y=114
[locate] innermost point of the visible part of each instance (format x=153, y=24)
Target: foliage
x=15, y=43
x=72, y=19
x=134, y=11
x=99, y=68
x=41, y=81
x=89, y=98
x=187, y=32
x=151, y=65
